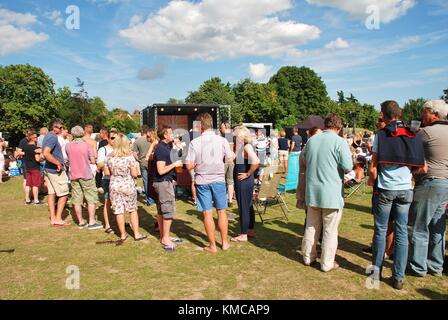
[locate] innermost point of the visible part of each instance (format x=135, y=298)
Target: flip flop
x=61, y=224
x=176, y=240
x=121, y=241
x=109, y=230
x=237, y=239
x=169, y=249
x=141, y=238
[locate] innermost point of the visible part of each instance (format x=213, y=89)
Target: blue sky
x=135, y=53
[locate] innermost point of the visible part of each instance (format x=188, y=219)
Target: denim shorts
x=211, y=195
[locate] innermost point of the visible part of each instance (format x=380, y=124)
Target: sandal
x=141, y=238
x=169, y=249
x=176, y=240
x=121, y=241
x=61, y=224
x=109, y=230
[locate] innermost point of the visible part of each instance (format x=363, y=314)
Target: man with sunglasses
x=55, y=175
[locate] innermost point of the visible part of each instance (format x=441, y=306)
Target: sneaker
x=95, y=226
x=83, y=225
x=397, y=284
x=38, y=203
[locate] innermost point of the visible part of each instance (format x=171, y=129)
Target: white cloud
x=213, y=29
x=15, y=35
x=55, y=16
x=339, y=43
x=363, y=54
x=260, y=72
x=154, y=73
x=389, y=9
x=17, y=18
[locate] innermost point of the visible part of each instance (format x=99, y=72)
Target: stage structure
x=181, y=116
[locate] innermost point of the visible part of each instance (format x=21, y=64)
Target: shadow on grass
x=358, y=207
x=432, y=294
x=287, y=244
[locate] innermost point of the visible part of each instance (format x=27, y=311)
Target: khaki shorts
x=166, y=204
x=283, y=154
x=84, y=189
x=57, y=183
x=228, y=169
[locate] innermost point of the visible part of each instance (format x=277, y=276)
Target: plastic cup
x=415, y=125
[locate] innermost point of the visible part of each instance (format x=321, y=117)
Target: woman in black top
x=283, y=150
x=247, y=163
x=31, y=160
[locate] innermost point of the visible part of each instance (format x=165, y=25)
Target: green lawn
x=269, y=267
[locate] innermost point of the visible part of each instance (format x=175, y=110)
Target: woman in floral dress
x=122, y=168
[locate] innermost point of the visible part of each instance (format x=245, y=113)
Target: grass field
x=269, y=267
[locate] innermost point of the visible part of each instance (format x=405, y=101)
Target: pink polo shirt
x=79, y=154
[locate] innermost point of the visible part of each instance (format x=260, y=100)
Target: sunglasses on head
x=112, y=138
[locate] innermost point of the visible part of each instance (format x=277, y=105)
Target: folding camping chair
x=267, y=193
x=354, y=186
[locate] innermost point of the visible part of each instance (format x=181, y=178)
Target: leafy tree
x=175, y=101
x=122, y=121
x=301, y=93
x=353, y=112
x=74, y=111
x=27, y=99
x=413, y=110
x=214, y=91
x=258, y=101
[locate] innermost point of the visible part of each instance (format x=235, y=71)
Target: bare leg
x=160, y=222
x=78, y=212
x=106, y=214
x=121, y=227
x=26, y=190
x=60, y=209
x=193, y=192
x=390, y=238
x=134, y=222
x=223, y=224
x=92, y=210
x=51, y=207
x=36, y=194
x=166, y=240
x=209, y=225
x=230, y=191
x=1, y=176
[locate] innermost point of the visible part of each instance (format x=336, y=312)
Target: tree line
x=29, y=99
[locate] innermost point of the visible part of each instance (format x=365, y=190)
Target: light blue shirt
x=391, y=176
x=328, y=157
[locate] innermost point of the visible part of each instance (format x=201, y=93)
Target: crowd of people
x=407, y=168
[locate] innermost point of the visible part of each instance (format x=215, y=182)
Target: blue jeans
x=397, y=202
x=427, y=223
x=144, y=173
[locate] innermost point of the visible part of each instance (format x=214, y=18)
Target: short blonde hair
x=283, y=133
x=242, y=132
x=122, y=146
x=152, y=134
